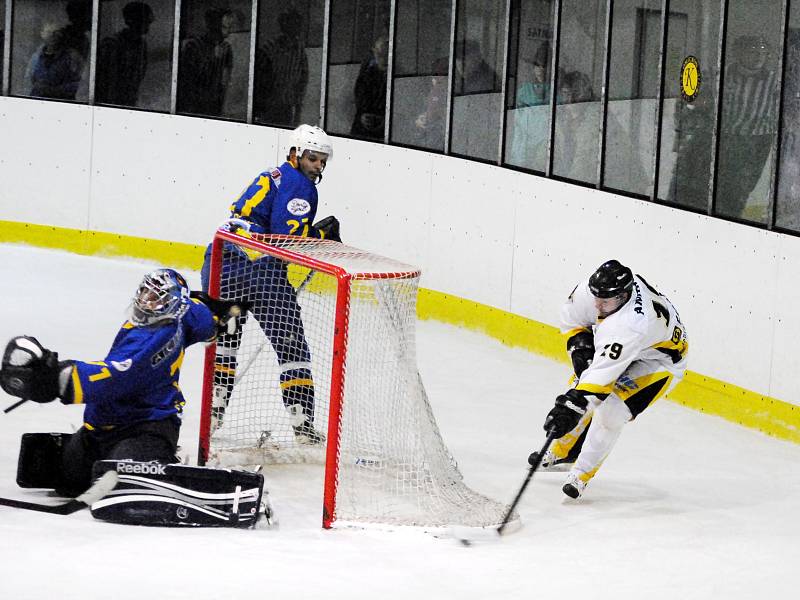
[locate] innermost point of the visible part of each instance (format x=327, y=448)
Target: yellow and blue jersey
x=138, y=379
x=280, y=200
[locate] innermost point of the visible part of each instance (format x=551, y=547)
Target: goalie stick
x=99, y=488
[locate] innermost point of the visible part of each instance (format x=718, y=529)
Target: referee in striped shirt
x=749, y=123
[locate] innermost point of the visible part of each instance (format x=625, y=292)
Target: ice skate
x=573, y=487
x=550, y=462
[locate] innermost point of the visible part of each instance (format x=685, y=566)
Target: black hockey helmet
x=611, y=279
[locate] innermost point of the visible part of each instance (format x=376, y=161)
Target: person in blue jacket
x=280, y=200
x=132, y=401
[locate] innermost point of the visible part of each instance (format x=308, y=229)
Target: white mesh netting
x=393, y=466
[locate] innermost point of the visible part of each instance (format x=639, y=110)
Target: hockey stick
x=550, y=438
x=305, y=281
x=100, y=488
x=15, y=405
x=242, y=371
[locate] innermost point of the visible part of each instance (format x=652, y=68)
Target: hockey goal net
x=384, y=458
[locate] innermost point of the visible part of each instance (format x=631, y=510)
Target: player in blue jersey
x=281, y=200
x=133, y=403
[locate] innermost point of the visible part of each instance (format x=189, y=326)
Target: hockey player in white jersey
x=628, y=348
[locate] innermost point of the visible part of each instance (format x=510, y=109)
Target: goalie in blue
x=281, y=200
x=133, y=403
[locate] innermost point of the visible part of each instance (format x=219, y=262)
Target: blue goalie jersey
x=138, y=380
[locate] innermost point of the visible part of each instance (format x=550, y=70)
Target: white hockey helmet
x=310, y=137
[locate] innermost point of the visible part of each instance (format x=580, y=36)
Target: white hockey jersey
x=646, y=328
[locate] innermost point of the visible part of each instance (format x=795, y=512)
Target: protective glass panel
x=214, y=59
x=579, y=81
x=421, y=63
x=358, y=53
x=478, y=66
x=749, y=109
x=50, y=52
x=788, y=204
x=288, y=68
x=690, y=94
x=2, y=35
x=529, y=93
x=134, y=53
x=632, y=97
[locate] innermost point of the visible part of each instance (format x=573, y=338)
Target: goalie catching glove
x=328, y=228
x=225, y=311
x=32, y=372
x=566, y=414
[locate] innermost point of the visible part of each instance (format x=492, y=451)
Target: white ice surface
x=687, y=506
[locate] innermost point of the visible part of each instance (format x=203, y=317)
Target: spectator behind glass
x=370, y=93
x=58, y=66
x=122, y=58
x=76, y=33
x=536, y=91
x=749, y=122
x=430, y=124
x=206, y=62
x=576, y=127
x=473, y=75
x=282, y=73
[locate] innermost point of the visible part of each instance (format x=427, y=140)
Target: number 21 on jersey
x=294, y=225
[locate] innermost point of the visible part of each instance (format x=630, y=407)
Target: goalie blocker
x=151, y=493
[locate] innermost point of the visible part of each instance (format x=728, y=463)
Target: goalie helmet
x=162, y=296
x=611, y=279
x=310, y=137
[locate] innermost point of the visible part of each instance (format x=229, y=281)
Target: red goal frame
x=264, y=244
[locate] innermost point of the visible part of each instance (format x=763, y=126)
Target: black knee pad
x=39, y=463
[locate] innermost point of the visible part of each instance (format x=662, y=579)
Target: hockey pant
x=265, y=284
x=148, y=441
x=642, y=383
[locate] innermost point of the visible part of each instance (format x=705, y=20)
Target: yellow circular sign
x=690, y=78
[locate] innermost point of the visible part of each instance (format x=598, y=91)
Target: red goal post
x=384, y=458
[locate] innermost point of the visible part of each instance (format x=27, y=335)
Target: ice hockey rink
x=687, y=506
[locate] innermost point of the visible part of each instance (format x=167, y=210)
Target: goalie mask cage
x=384, y=459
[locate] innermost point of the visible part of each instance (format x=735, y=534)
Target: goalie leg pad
x=39, y=464
x=151, y=493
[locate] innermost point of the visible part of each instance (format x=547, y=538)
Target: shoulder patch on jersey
x=298, y=206
x=122, y=365
x=276, y=176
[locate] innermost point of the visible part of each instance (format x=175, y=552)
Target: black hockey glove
x=31, y=371
x=226, y=311
x=566, y=414
x=329, y=228
x=581, y=350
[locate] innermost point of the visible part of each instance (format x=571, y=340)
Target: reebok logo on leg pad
x=137, y=468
